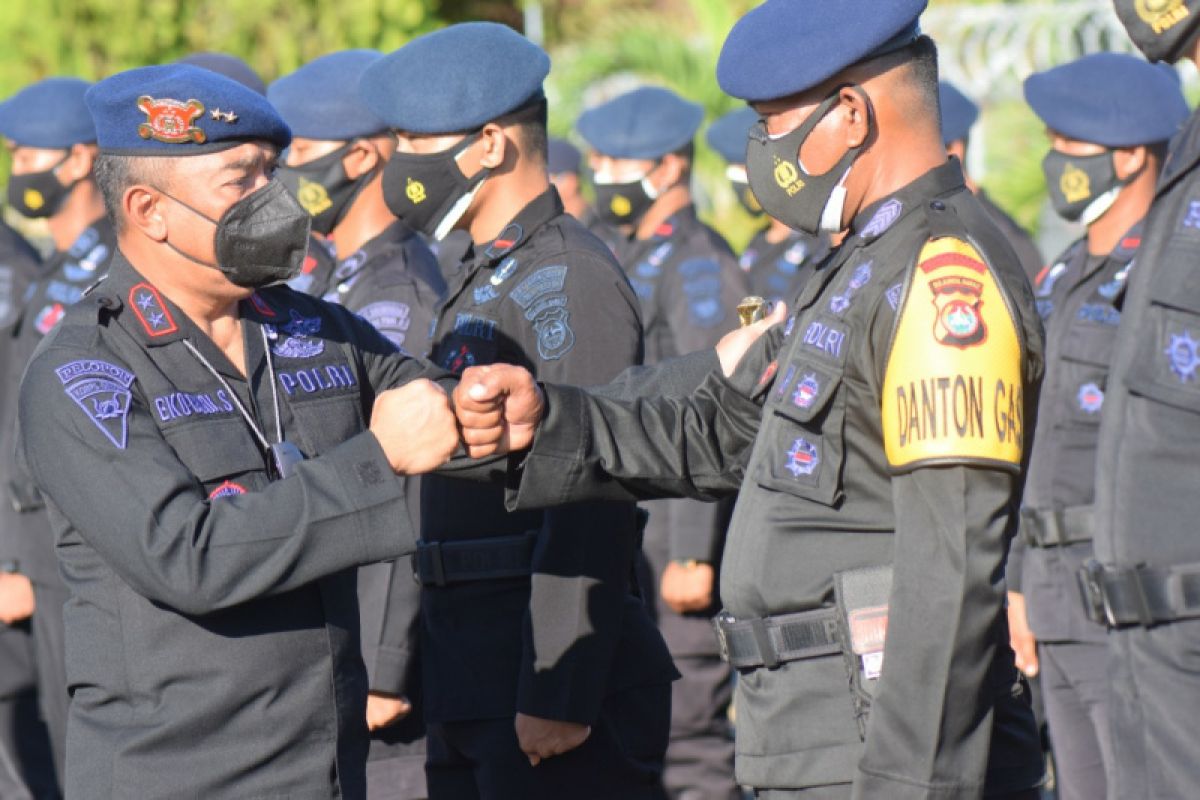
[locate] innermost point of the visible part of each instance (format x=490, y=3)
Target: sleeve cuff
x=385, y=530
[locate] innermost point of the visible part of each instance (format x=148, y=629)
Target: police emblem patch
x=299, y=342
x=1183, y=354
x=227, y=489
x=101, y=390
x=1091, y=398
x=458, y=360
x=1191, y=218
x=803, y=458
x=1161, y=15
x=806, y=391
x=313, y=197
x=883, y=219
x=1075, y=184
x=415, y=192
x=389, y=318
x=170, y=121
x=555, y=337
x=954, y=278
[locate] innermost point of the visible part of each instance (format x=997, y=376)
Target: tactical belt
x=445, y=563
x=1146, y=596
x=771, y=641
x=1057, y=528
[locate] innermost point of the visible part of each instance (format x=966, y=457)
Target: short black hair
x=531, y=122
x=115, y=174
x=919, y=59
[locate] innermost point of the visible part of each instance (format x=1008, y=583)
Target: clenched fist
x=688, y=587
x=499, y=407
x=415, y=426
x=543, y=738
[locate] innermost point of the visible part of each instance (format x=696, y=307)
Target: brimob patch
x=101, y=389
x=807, y=391
x=546, y=280
x=299, y=342
x=803, y=458
x=555, y=337
x=1183, y=355
x=1091, y=398
x=458, y=360
x=170, y=121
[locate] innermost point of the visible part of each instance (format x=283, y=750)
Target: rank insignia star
x=230, y=117
x=215, y=114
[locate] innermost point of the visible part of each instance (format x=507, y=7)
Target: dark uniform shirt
x=885, y=424
x=1027, y=252
x=548, y=296
x=64, y=277
x=1078, y=301
x=212, y=632
x=393, y=282
x=1146, y=499
x=779, y=270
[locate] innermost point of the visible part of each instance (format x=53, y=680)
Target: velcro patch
x=953, y=389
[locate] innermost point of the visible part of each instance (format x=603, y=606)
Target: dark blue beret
x=320, y=100
x=231, y=67
x=648, y=122
x=786, y=46
x=456, y=79
x=49, y=114
x=1112, y=99
x=959, y=112
x=729, y=134
x=180, y=110
x=562, y=157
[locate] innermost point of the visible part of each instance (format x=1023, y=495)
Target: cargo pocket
x=217, y=450
x=804, y=450
x=1167, y=367
x=1086, y=356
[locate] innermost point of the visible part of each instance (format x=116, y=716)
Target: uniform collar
x=540, y=210
x=148, y=315
x=679, y=221
x=879, y=217
x=386, y=239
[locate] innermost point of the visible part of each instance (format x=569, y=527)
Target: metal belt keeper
x=1146, y=596
x=1057, y=528
x=437, y=564
x=771, y=641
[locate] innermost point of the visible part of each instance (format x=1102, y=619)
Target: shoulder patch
x=101, y=390
x=390, y=318
x=953, y=389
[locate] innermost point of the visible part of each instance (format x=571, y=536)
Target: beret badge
x=170, y=121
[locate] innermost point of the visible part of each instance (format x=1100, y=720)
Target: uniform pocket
x=214, y=449
x=804, y=450
x=1167, y=366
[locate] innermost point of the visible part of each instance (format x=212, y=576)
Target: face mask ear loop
x=835, y=206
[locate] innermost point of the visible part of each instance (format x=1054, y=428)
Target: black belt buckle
x=431, y=553
x=724, y=618
x=1091, y=590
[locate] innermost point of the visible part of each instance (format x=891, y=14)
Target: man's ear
x=670, y=171
x=856, y=115
x=493, y=147
x=364, y=155
x=78, y=165
x=143, y=208
x=1129, y=161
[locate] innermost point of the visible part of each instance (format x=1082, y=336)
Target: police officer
x=52, y=140
x=877, y=438
x=778, y=260
x=544, y=677
x=564, y=163
x=199, y=436
x=959, y=114
x=687, y=280
x=1147, y=552
x=1109, y=117
x=386, y=274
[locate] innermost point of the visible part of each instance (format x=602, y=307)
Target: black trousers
x=1075, y=688
x=28, y=769
x=50, y=654
x=1154, y=709
x=622, y=759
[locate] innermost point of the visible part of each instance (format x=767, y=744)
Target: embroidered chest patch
x=101, y=390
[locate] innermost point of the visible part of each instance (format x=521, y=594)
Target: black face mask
x=260, y=240
x=808, y=203
x=38, y=194
x=429, y=193
x=1081, y=187
x=1162, y=29
x=623, y=203
x=745, y=196
x=323, y=187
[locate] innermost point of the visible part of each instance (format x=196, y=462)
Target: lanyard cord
x=258, y=434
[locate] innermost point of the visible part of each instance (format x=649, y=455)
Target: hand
x=384, y=710
x=16, y=598
x=415, y=426
x=734, y=344
x=687, y=587
x=499, y=407
x=542, y=738
x=1023, y=642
